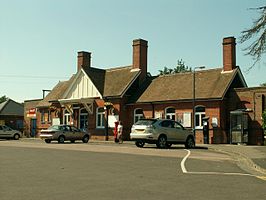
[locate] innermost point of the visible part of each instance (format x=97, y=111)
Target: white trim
x=102, y=117
x=170, y=114
x=137, y=115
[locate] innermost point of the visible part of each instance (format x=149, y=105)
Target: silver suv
x=162, y=132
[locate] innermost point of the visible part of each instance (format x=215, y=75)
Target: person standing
x=120, y=132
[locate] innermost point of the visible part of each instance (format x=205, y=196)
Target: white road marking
x=184, y=170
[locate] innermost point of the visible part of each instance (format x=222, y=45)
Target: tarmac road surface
x=35, y=170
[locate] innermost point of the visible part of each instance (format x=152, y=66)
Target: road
x=31, y=169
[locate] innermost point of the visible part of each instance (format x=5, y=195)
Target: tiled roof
x=56, y=93
x=112, y=82
x=209, y=84
x=10, y=107
x=117, y=80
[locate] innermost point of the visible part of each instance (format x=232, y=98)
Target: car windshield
x=55, y=127
x=146, y=122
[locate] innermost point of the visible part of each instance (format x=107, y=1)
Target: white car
x=162, y=132
x=7, y=133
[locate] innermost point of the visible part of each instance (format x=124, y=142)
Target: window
x=100, y=117
x=138, y=114
x=199, y=115
x=170, y=113
x=83, y=118
x=167, y=124
x=66, y=117
x=42, y=117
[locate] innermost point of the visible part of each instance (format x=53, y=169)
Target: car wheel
x=85, y=139
x=190, y=143
x=162, y=142
x=16, y=136
x=139, y=143
x=61, y=139
x=47, y=141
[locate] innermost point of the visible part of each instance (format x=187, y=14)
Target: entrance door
x=83, y=119
x=33, y=127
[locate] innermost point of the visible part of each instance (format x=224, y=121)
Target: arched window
x=83, y=118
x=100, y=117
x=199, y=114
x=66, y=117
x=170, y=113
x=138, y=114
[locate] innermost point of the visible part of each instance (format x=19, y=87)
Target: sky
x=39, y=39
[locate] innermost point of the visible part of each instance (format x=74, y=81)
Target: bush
x=264, y=121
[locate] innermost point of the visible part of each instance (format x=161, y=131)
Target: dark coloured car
x=61, y=133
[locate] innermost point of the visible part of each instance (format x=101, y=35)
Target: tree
x=180, y=68
x=264, y=121
x=3, y=98
x=263, y=84
x=257, y=32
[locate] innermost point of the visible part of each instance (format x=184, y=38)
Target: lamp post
x=194, y=99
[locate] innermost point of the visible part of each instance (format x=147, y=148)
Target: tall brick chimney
x=140, y=52
x=229, y=53
x=84, y=59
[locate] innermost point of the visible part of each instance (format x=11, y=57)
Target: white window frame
x=138, y=116
x=66, y=117
x=201, y=115
x=102, y=116
x=170, y=115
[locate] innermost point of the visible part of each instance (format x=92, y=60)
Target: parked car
x=162, y=132
x=9, y=133
x=61, y=133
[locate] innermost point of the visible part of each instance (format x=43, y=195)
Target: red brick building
x=93, y=97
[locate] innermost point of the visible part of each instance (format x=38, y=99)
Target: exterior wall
x=212, y=109
x=13, y=121
x=29, y=105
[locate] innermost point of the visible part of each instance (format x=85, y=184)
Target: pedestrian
x=120, y=132
x=116, y=132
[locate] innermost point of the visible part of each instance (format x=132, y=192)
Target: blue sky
x=39, y=40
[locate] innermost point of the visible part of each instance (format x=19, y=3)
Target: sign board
x=31, y=112
x=112, y=119
x=187, y=119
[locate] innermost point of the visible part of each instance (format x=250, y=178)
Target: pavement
x=250, y=158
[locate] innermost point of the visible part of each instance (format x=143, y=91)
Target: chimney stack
x=84, y=59
x=140, y=51
x=229, y=53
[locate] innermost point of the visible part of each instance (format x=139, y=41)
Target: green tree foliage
x=3, y=98
x=264, y=121
x=180, y=68
x=263, y=84
x=258, y=33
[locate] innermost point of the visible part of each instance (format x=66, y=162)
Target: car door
x=76, y=133
x=167, y=128
x=67, y=132
x=6, y=131
x=180, y=133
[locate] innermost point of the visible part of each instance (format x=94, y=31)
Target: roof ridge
x=118, y=68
